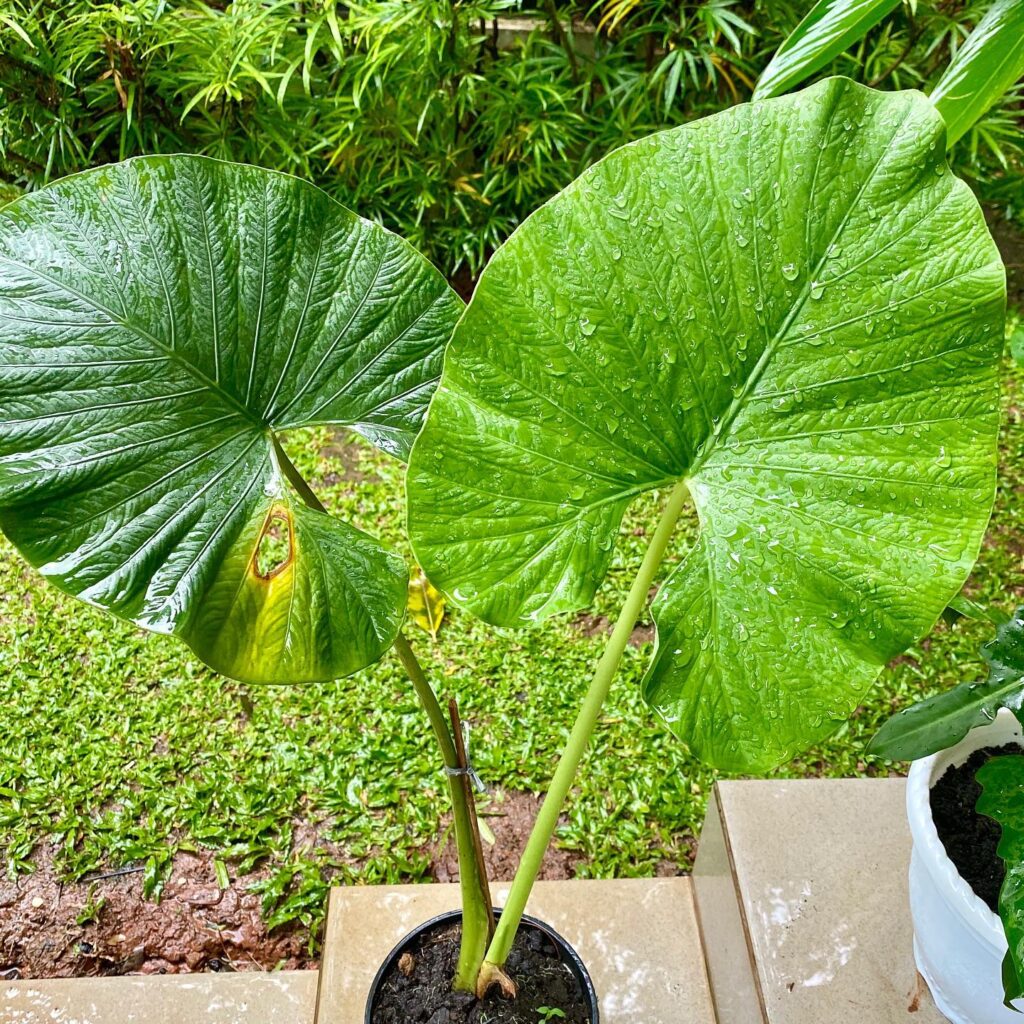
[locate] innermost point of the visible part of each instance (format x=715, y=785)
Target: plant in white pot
x=965, y=803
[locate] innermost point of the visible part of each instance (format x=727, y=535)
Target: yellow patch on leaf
x=426, y=603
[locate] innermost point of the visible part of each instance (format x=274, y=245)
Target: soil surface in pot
x=419, y=989
x=970, y=838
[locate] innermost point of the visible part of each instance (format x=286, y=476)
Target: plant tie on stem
x=469, y=769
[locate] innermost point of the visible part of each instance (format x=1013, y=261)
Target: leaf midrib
x=739, y=401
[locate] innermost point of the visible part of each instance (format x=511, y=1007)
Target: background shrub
x=429, y=115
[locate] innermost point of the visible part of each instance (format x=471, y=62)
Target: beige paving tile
x=819, y=904
x=638, y=938
x=285, y=997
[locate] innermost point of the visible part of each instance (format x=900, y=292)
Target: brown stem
x=467, y=786
x=562, y=38
x=911, y=43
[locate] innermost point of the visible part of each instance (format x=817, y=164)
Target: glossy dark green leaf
x=945, y=719
x=984, y=68
x=794, y=306
x=828, y=28
x=161, y=321
x=1002, y=800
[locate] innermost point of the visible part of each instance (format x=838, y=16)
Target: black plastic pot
x=568, y=955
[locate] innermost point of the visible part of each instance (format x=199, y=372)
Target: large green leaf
x=828, y=28
x=1002, y=800
x=795, y=307
x=984, y=68
x=161, y=320
x=945, y=719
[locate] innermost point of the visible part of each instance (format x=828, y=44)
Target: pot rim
x=567, y=952
x=927, y=844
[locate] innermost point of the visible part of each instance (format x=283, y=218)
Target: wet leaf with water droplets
x=160, y=321
x=786, y=442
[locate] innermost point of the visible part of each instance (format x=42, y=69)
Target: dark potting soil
x=419, y=988
x=970, y=838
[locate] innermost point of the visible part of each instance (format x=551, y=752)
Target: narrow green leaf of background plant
x=945, y=719
x=964, y=607
x=1017, y=345
x=829, y=28
x=984, y=68
x=1002, y=800
x=161, y=322
x=795, y=307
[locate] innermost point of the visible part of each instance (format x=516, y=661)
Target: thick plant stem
x=467, y=780
x=294, y=477
x=477, y=912
x=547, y=818
x=428, y=699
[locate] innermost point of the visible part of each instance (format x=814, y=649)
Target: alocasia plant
x=162, y=323
x=794, y=308
x=791, y=311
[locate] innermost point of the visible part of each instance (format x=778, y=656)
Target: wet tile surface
x=638, y=938
x=819, y=904
x=287, y=997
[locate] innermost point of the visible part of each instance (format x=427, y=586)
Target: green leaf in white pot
x=1002, y=800
x=161, y=322
x=945, y=719
x=796, y=308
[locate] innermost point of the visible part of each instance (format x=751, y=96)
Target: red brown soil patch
x=510, y=816
x=599, y=625
x=1010, y=241
x=196, y=926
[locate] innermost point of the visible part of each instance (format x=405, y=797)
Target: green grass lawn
x=117, y=747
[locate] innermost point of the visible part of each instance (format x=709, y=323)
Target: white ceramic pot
x=958, y=942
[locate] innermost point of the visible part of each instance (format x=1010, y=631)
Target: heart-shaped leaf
x=795, y=307
x=161, y=321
